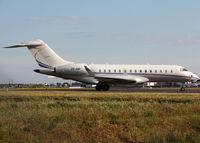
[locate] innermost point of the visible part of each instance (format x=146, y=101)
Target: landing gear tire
x=182, y=89
x=105, y=87
x=98, y=88
x=102, y=87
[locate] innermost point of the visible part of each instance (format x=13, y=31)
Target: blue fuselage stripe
x=44, y=65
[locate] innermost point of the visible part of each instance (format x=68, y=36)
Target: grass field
x=99, y=117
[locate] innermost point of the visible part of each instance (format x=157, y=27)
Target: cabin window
x=135, y=71
x=114, y=70
x=124, y=71
x=104, y=70
x=160, y=71
x=119, y=70
x=140, y=71
x=155, y=71
x=109, y=70
x=145, y=71
x=171, y=71
x=99, y=70
x=130, y=71
x=150, y=71
x=165, y=71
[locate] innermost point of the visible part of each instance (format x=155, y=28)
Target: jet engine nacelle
x=70, y=69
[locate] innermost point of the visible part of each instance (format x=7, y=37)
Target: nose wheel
x=182, y=87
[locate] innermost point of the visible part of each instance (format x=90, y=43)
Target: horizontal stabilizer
x=45, y=71
x=23, y=45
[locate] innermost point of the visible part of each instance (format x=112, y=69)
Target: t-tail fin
x=42, y=53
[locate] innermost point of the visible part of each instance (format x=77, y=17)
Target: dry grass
x=96, y=117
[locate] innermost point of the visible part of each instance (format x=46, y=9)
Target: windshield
x=183, y=69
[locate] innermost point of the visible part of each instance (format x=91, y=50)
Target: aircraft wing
x=120, y=79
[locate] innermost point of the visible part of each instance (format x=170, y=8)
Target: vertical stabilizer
x=42, y=53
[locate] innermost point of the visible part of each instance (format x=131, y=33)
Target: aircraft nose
x=195, y=77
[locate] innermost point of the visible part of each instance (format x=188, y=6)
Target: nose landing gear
x=182, y=87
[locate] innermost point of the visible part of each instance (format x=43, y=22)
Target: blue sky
x=106, y=31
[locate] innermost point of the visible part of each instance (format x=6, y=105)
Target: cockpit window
x=183, y=69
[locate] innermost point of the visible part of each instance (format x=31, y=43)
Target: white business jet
x=104, y=75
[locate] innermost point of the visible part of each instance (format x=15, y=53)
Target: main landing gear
x=102, y=87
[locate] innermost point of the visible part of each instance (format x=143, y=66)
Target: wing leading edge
x=120, y=79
